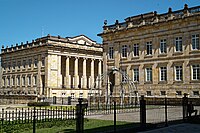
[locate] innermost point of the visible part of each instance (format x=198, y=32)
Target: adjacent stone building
x=159, y=52
x=50, y=66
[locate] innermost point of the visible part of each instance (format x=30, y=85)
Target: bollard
x=142, y=113
x=114, y=116
x=34, y=121
x=184, y=104
x=79, y=116
x=166, y=121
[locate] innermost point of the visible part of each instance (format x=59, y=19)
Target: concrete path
x=179, y=128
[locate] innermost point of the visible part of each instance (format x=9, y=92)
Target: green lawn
x=91, y=126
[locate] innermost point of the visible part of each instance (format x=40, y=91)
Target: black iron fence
x=150, y=111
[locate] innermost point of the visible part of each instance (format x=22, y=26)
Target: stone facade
x=50, y=67
x=159, y=52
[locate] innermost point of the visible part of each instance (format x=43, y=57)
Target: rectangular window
x=23, y=81
x=178, y=44
x=149, y=48
x=196, y=93
x=124, y=51
x=13, y=81
x=179, y=73
x=80, y=95
x=72, y=95
x=35, y=62
x=24, y=63
x=136, y=74
x=148, y=74
x=163, y=73
x=195, y=42
x=43, y=61
x=163, y=46
x=18, y=81
x=4, y=66
x=29, y=63
x=123, y=75
x=9, y=65
x=110, y=53
x=195, y=72
x=162, y=93
x=13, y=65
x=35, y=80
x=63, y=94
x=18, y=64
x=148, y=93
x=3, y=82
x=179, y=93
x=29, y=80
x=8, y=81
x=136, y=50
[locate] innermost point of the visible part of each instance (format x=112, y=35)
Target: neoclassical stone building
x=159, y=52
x=50, y=66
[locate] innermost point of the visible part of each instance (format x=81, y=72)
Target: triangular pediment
x=81, y=39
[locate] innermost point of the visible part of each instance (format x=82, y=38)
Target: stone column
x=84, y=74
x=39, y=75
x=76, y=78
x=92, y=74
x=99, y=73
x=67, y=78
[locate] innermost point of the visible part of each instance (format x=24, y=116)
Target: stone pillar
x=76, y=77
x=84, y=74
x=99, y=73
x=39, y=75
x=67, y=77
x=92, y=74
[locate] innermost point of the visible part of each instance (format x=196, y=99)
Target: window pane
x=149, y=48
x=163, y=73
x=178, y=43
x=136, y=74
x=148, y=74
x=124, y=51
x=179, y=73
x=136, y=49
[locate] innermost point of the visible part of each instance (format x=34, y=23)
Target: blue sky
x=24, y=20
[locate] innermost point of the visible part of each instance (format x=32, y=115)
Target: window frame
x=136, y=50
x=123, y=75
x=136, y=74
x=148, y=74
x=149, y=48
x=163, y=73
x=178, y=44
x=124, y=53
x=163, y=46
x=111, y=52
x=179, y=73
x=195, y=42
x=195, y=72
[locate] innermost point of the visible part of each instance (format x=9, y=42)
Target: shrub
x=38, y=104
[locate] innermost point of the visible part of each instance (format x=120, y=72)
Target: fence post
x=143, y=112
x=114, y=116
x=2, y=119
x=79, y=116
x=184, y=103
x=34, y=121
x=166, y=121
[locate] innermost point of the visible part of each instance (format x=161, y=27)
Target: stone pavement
x=179, y=128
